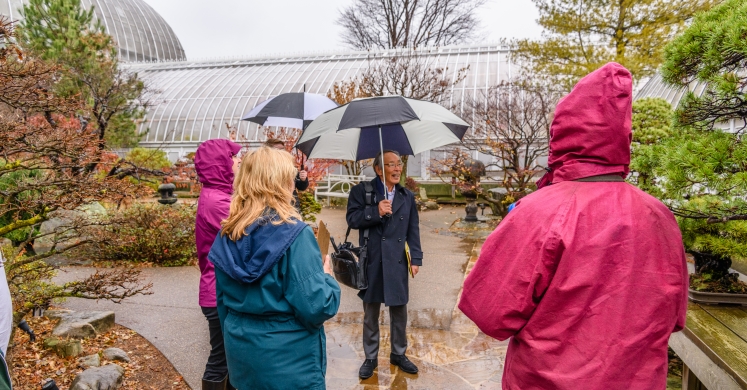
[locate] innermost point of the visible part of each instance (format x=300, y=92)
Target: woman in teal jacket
x=273, y=292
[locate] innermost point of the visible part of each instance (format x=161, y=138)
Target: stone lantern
x=167, y=193
x=473, y=169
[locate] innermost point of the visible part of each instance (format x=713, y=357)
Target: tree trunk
x=403, y=176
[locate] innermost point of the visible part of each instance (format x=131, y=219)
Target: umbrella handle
x=383, y=172
x=302, y=160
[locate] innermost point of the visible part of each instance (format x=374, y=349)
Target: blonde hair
x=263, y=184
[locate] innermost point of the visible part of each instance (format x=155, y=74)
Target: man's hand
x=415, y=269
x=328, y=266
x=303, y=175
x=385, y=208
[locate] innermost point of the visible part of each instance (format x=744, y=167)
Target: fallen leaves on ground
x=32, y=364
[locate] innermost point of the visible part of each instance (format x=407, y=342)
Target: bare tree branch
x=387, y=24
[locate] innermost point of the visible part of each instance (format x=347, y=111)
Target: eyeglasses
x=394, y=165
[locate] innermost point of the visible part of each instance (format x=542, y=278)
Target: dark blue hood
x=254, y=254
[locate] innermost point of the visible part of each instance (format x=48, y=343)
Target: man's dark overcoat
x=387, y=262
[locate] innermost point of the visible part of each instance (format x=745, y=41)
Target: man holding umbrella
x=367, y=128
x=392, y=221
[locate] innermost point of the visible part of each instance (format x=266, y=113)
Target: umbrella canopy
x=361, y=128
x=295, y=109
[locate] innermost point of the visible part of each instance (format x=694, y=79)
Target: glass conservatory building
x=199, y=100
x=194, y=101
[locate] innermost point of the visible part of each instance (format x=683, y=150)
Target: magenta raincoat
x=588, y=279
x=213, y=163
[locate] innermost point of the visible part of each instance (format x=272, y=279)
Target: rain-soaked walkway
x=449, y=350
x=456, y=357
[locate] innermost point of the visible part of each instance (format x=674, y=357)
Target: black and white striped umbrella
x=364, y=127
x=294, y=109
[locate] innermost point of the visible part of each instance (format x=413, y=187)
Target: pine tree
x=701, y=172
x=712, y=51
x=56, y=30
x=582, y=35
x=62, y=32
x=652, y=130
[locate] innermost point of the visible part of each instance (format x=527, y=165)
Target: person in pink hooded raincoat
x=215, y=162
x=587, y=276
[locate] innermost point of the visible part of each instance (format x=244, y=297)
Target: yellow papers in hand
x=409, y=260
x=322, y=238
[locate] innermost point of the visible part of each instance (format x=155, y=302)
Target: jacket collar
x=379, y=185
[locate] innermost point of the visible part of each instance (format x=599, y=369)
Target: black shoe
x=367, y=368
x=403, y=363
x=214, y=385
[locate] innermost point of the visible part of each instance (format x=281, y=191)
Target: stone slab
x=84, y=324
x=108, y=377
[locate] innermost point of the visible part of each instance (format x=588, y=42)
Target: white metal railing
x=337, y=186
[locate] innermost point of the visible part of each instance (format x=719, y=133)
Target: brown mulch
x=148, y=368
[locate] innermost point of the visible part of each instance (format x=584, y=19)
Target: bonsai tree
x=459, y=169
x=702, y=173
x=511, y=122
x=52, y=163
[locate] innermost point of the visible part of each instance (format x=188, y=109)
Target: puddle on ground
x=447, y=347
x=423, y=318
x=473, y=231
x=446, y=360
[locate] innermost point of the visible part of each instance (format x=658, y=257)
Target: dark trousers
x=216, y=368
x=397, y=325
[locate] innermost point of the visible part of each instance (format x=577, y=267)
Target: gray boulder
x=84, y=324
x=58, y=223
x=64, y=348
x=116, y=354
x=109, y=377
x=90, y=361
x=430, y=205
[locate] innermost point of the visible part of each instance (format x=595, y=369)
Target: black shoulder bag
x=348, y=262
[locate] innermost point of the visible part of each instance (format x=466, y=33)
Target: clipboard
x=409, y=261
x=322, y=238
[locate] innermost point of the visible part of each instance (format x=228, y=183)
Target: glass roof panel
x=201, y=97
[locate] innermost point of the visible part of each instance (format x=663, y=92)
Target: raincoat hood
x=254, y=254
x=214, y=164
x=591, y=132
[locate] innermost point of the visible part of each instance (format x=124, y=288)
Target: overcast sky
x=221, y=28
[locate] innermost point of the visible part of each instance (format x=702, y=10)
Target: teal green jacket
x=273, y=315
x=5, y=382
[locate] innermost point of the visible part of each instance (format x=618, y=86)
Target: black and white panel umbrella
x=294, y=109
x=364, y=127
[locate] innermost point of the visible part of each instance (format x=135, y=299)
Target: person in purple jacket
x=216, y=161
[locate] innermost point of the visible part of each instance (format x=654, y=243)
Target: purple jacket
x=213, y=163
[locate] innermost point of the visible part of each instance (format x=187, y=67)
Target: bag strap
x=601, y=179
x=369, y=202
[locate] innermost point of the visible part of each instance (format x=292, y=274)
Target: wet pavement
x=449, y=350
